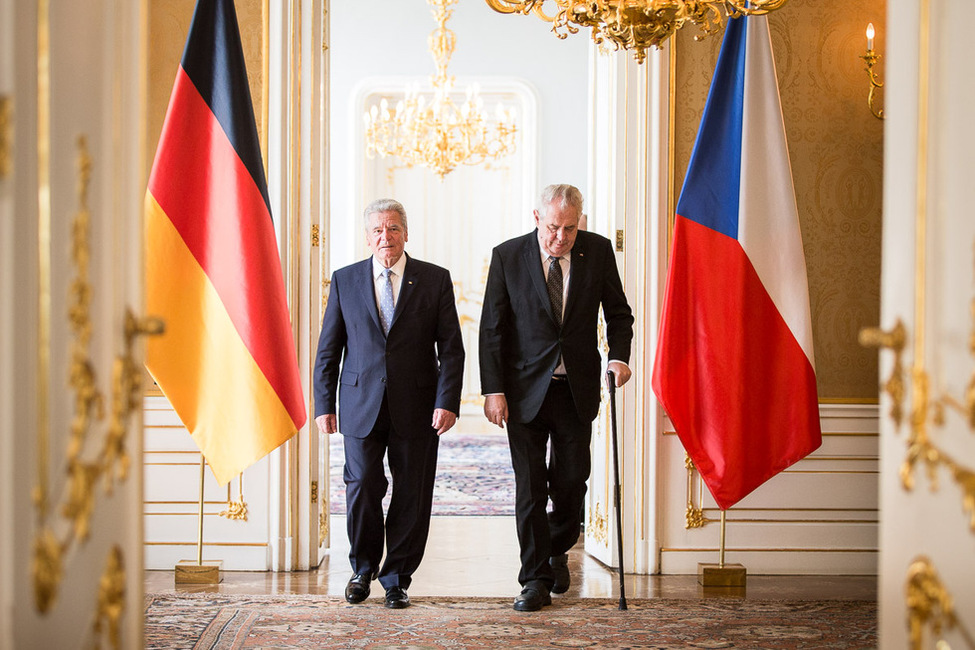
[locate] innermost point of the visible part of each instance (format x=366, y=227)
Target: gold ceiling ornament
x=436, y=132
x=635, y=25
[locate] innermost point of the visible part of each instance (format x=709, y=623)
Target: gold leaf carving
x=111, y=600
x=46, y=569
x=928, y=603
x=597, y=524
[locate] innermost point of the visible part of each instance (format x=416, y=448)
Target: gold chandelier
x=437, y=133
x=635, y=24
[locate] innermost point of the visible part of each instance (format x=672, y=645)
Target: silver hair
x=384, y=205
x=561, y=195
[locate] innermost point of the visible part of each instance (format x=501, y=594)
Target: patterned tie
x=386, y=301
x=555, y=288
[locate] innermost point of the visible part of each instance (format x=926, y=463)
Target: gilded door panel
x=77, y=323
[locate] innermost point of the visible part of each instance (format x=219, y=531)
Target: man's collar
x=398, y=268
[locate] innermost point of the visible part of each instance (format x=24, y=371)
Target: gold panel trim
x=714, y=549
x=194, y=544
x=6, y=135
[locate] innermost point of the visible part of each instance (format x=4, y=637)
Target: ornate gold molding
x=77, y=507
x=894, y=339
x=236, y=510
x=322, y=524
x=694, y=515
x=598, y=525
x=315, y=235
x=929, y=604
x=6, y=137
x=111, y=600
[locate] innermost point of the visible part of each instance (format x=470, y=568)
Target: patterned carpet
x=223, y=622
x=474, y=476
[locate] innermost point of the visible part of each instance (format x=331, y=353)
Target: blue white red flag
x=734, y=366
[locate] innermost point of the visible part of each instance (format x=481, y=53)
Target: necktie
x=554, y=284
x=386, y=300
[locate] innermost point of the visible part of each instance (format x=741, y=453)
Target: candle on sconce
x=870, y=35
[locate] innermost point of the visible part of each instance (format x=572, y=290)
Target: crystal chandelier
x=436, y=133
x=635, y=24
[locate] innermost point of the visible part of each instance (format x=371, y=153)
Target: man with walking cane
x=540, y=375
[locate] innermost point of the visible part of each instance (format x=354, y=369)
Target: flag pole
x=199, y=532
x=188, y=572
x=720, y=547
x=721, y=574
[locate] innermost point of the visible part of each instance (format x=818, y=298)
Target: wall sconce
x=871, y=58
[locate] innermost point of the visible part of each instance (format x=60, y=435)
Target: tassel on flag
x=734, y=366
x=227, y=361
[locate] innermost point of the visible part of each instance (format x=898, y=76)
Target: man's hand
x=621, y=371
x=327, y=423
x=443, y=420
x=496, y=409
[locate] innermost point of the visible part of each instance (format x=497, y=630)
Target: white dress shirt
x=396, y=277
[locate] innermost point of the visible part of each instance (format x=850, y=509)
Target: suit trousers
x=413, y=468
x=562, y=479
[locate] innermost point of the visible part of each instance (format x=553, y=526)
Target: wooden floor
x=478, y=556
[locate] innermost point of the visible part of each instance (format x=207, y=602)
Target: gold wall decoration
x=837, y=166
x=236, y=510
x=111, y=600
x=315, y=234
x=929, y=605
x=598, y=526
x=895, y=339
x=88, y=400
x=6, y=135
x=322, y=525
x=111, y=462
x=694, y=514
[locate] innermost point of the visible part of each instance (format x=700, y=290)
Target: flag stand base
x=189, y=572
x=715, y=575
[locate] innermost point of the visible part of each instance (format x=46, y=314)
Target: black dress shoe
x=532, y=598
x=358, y=588
x=560, y=568
x=396, y=598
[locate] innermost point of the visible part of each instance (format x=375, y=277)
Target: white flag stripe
x=768, y=223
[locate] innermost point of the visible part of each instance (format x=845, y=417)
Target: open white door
x=71, y=272
x=927, y=540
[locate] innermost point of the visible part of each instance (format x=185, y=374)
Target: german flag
x=227, y=360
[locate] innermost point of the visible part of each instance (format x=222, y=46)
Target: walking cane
x=611, y=383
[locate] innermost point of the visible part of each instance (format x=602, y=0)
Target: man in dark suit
x=540, y=374
x=391, y=351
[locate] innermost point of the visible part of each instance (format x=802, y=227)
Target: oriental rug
x=474, y=476
x=227, y=622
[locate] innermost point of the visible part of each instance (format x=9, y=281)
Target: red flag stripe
x=729, y=357
x=203, y=187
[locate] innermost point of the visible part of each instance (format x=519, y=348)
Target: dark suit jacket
x=420, y=364
x=520, y=342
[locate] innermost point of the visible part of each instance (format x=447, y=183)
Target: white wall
x=488, y=44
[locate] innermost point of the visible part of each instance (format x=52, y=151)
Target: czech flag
x=734, y=364
x=227, y=360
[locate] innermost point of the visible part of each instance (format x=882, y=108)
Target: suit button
x=383, y=380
